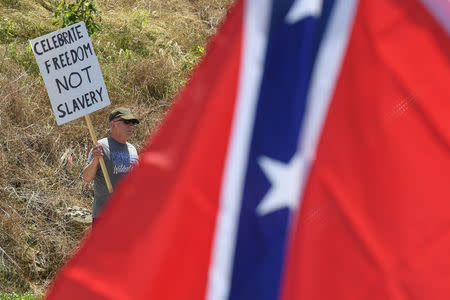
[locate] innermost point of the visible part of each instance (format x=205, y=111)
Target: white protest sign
x=71, y=72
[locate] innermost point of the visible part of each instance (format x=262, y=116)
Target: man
x=118, y=154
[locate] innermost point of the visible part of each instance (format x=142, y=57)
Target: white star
x=286, y=182
x=303, y=8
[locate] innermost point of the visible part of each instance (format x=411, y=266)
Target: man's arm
x=91, y=169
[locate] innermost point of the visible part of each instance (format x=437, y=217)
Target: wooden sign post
x=102, y=162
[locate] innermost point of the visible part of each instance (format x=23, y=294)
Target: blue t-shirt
x=119, y=158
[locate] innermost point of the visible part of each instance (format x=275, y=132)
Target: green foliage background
x=15, y=296
x=146, y=49
x=81, y=10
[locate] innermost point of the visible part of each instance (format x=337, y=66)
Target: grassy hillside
x=146, y=50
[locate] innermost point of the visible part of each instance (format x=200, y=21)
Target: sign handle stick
x=102, y=162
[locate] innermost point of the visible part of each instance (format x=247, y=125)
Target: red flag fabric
x=374, y=222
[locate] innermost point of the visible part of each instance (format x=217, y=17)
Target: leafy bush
x=80, y=10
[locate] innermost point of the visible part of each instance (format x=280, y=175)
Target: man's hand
x=97, y=152
x=91, y=169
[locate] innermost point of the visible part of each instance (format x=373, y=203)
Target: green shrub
x=80, y=10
